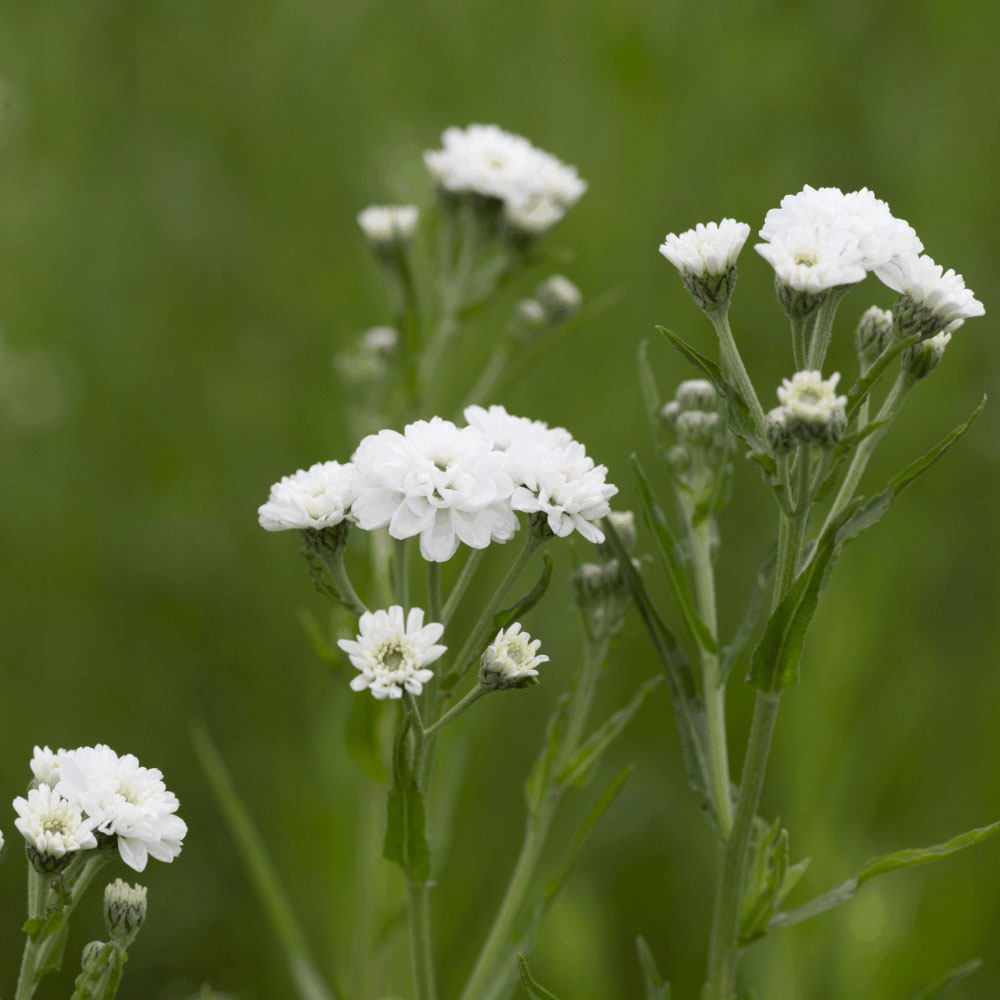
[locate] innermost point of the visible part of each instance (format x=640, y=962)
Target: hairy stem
x=735, y=367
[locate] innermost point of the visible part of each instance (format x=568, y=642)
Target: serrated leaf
x=911, y=858
x=535, y=991
x=507, y=617
x=362, y=735
x=944, y=984
x=537, y=785
x=740, y=422
x=666, y=547
x=655, y=986
x=580, y=766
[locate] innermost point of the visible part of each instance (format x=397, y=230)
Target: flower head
x=930, y=297
x=53, y=825
x=441, y=482
x=510, y=660
x=485, y=160
x=564, y=485
x=388, y=225
x=710, y=249
x=391, y=654
x=126, y=800
x=812, y=260
x=45, y=765
x=871, y=336
x=506, y=431
x=813, y=409
x=317, y=497
x=124, y=910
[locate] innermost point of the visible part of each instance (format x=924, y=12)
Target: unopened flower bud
x=920, y=359
x=380, y=341
x=779, y=433
x=559, y=297
x=815, y=413
x=529, y=316
x=510, y=660
x=697, y=394
x=872, y=333
x=669, y=412
x=706, y=259
x=696, y=427
x=678, y=459
x=623, y=521
x=124, y=911
x=91, y=954
x=389, y=226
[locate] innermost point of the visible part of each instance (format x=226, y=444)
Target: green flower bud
x=779, y=432
x=872, y=333
x=697, y=394
x=559, y=297
x=920, y=359
x=697, y=428
x=124, y=911
x=669, y=412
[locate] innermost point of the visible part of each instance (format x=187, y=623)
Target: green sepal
x=667, y=548
x=535, y=991
x=580, y=766
x=405, y=836
x=655, y=985
x=946, y=982
x=910, y=858
x=740, y=421
x=507, y=617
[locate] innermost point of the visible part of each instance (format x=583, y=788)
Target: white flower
x=45, y=765
x=317, y=497
x=386, y=224
x=511, y=659
x=859, y=215
x=807, y=397
x=940, y=293
x=435, y=480
x=564, y=484
x=533, y=216
x=812, y=260
x=53, y=825
x=486, y=160
x=126, y=800
x=392, y=656
x=710, y=249
x=505, y=431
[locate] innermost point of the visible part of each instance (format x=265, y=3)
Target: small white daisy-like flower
x=708, y=250
x=317, y=497
x=441, y=482
x=126, y=800
x=45, y=764
x=511, y=659
x=52, y=824
x=384, y=225
x=505, y=430
x=565, y=485
x=807, y=396
x=391, y=654
x=813, y=261
x=931, y=297
x=486, y=160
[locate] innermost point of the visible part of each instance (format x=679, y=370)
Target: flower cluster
x=693, y=416
x=448, y=484
x=534, y=188
x=90, y=792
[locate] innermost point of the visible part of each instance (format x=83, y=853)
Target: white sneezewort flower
x=813, y=260
x=806, y=396
x=391, y=654
x=45, y=765
x=484, y=159
x=511, y=659
x=710, y=249
x=435, y=480
x=938, y=296
x=384, y=224
x=52, y=824
x=564, y=484
x=126, y=800
x=317, y=497
x=505, y=430
x=859, y=215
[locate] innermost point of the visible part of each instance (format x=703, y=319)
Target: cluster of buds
x=811, y=412
x=555, y=300
x=102, y=962
x=389, y=229
x=702, y=436
x=601, y=588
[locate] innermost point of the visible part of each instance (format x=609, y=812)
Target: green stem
x=713, y=688
x=490, y=375
x=368, y=888
x=334, y=564
x=476, y=637
x=434, y=613
x=420, y=942
x=457, y=709
x=822, y=332
x=735, y=367
x=457, y=592
x=409, y=323
x=800, y=327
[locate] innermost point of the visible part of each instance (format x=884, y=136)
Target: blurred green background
x=179, y=261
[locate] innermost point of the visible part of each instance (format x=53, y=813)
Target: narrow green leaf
x=761, y=586
x=535, y=991
x=362, y=735
x=537, y=785
x=581, y=765
x=394, y=845
x=675, y=572
x=944, y=984
x=521, y=607
x=417, y=851
x=862, y=389
x=58, y=934
x=308, y=983
x=656, y=987
x=650, y=396
x=880, y=866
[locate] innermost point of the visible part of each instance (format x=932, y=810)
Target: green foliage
x=772, y=879
x=946, y=983
x=535, y=991
x=656, y=987
x=507, y=617
x=405, y=836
